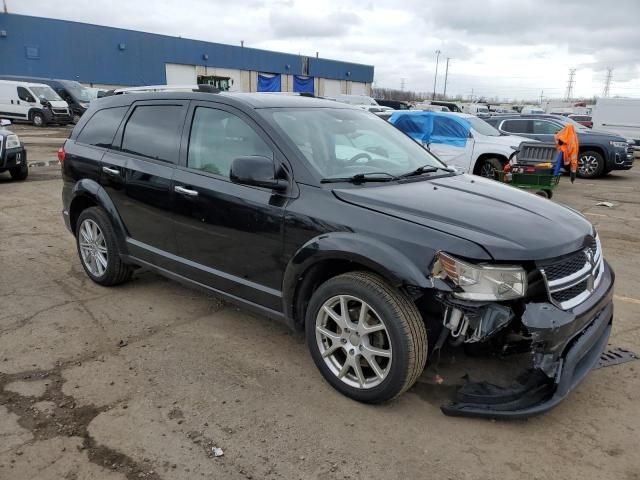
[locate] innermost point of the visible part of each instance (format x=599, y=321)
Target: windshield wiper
x=424, y=169
x=362, y=178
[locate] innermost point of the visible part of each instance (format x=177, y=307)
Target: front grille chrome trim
x=591, y=273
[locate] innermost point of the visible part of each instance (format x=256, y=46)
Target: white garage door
x=358, y=88
x=331, y=88
x=180, y=74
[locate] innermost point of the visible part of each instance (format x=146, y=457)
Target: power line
x=572, y=74
x=607, y=83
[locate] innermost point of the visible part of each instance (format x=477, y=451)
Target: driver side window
x=542, y=127
x=218, y=137
x=24, y=95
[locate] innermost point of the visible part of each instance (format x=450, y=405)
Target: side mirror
x=4, y=122
x=256, y=171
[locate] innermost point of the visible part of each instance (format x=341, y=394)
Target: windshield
x=344, y=142
x=482, y=127
x=45, y=92
x=78, y=92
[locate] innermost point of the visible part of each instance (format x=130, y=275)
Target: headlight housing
x=618, y=144
x=482, y=282
x=12, y=141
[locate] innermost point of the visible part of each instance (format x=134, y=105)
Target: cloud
x=292, y=24
x=499, y=47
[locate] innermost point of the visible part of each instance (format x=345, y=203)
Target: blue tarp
x=433, y=127
x=303, y=84
x=269, y=83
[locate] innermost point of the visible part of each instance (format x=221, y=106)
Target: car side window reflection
x=218, y=137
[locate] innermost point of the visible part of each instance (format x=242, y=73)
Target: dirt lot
x=142, y=380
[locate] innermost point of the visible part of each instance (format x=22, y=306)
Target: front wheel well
x=595, y=149
x=78, y=205
x=480, y=160
x=315, y=276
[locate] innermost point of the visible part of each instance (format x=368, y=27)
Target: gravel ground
x=143, y=380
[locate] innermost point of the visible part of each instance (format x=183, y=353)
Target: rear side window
x=101, y=127
x=517, y=126
x=153, y=131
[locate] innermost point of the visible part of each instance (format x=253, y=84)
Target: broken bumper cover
x=574, y=356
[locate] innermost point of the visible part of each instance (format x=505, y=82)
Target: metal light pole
x=446, y=74
x=435, y=77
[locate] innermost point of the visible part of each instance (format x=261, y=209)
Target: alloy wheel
x=587, y=165
x=487, y=170
x=353, y=341
x=38, y=121
x=93, y=248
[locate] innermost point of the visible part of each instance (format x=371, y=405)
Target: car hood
x=511, y=225
x=596, y=135
x=59, y=104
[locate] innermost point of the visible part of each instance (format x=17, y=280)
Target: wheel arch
x=498, y=156
x=88, y=193
x=36, y=110
x=329, y=255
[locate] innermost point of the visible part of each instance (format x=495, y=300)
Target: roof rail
x=167, y=88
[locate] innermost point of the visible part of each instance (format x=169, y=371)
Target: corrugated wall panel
x=92, y=54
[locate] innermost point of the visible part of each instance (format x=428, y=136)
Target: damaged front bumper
x=569, y=346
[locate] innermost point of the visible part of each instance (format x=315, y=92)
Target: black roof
x=251, y=100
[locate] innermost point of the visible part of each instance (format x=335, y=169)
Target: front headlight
x=619, y=144
x=482, y=282
x=12, y=141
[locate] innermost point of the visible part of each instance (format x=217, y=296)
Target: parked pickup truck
x=323, y=216
x=460, y=140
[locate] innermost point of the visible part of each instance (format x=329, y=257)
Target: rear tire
x=489, y=168
x=19, y=173
x=375, y=356
x=590, y=164
x=98, y=248
x=543, y=193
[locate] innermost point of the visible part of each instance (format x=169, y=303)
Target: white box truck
x=618, y=115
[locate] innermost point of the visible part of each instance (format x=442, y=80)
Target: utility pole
x=402, y=84
x=435, y=77
x=572, y=74
x=446, y=75
x=4, y=3
x=541, y=96
x=607, y=82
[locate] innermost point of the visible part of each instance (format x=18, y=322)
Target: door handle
x=185, y=191
x=111, y=171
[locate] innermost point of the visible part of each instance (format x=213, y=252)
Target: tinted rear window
x=153, y=131
x=101, y=128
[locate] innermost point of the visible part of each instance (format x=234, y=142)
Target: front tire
x=98, y=248
x=19, y=173
x=489, y=168
x=590, y=164
x=367, y=338
x=37, y=119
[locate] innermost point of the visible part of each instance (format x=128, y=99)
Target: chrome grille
x=572, y=280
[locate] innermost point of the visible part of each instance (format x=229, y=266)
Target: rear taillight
x=61, y=154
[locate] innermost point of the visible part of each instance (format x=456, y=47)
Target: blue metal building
x=105, y=56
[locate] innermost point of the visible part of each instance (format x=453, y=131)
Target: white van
x=32, y=102
x=478, y=109
x=620, y=116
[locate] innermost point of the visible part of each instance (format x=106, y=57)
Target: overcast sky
x=497, y=47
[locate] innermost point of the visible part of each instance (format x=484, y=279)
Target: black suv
x=326, y=217
x=600, y=152
x=13, y=155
